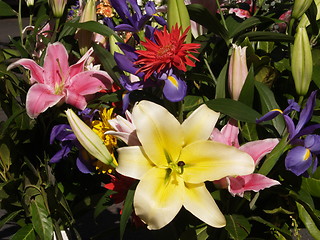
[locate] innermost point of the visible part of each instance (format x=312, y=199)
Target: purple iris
x=68, y=140
x=303, y=155
x=301, y=158
x=133, y=22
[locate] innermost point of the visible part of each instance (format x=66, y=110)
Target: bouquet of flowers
x=171, y=119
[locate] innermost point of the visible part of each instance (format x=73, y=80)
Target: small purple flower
x=301, y=158
x=64, y=134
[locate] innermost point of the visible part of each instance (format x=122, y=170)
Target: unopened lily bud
x=178, y=14
x=238, y=71
x=301, y=61
x=299, y=8
x=30, y=3
x=114, y=46
x=57, y=7
x=84, y=36
x=89, y=139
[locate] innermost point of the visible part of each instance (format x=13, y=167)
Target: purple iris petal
x=64, y=151
x=312, y=142
x=125, y=64
x=82, y=166
x=298, y=160
x=292, y=106
x=307, y=130
x=268, y=116
x=121, y=7
x=175, y=88
x=290, y=126
x=61, y=132
x=129, y=51
x=306, y=112
x=125, y=27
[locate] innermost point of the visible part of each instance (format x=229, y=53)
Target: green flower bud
x=301, y=61
x=57, y=7
x=299, y=8
x=178, y=14
x=85, y=37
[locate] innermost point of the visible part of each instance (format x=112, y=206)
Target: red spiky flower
x=167, y=51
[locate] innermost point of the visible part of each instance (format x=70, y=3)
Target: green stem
x=55, y=31
x=221, y=15
x=20, y=22
x=210, y=71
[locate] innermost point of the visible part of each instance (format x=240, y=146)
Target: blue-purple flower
x=301, y=158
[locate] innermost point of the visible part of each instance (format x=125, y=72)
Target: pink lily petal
x=90, y=82
x=35, y=70
x=252, y=182
x=79, y=66
x=76, y=100
x=56, y=66
x=39, y=98
x=228, y=135
x=258, y=149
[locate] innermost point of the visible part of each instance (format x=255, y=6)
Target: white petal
x=158, y=198
x=159, y=132
x=200, y=124
x=208, y=161
x=201, y=204
x=133, y=162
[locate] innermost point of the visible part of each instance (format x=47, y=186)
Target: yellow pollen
x=277, y=110
x=173, y=81
x=306, y=155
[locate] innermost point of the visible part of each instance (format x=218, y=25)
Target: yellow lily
x=173, y=162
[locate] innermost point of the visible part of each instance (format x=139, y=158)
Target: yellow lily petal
x=200, y=124
x=209, y=160
x=89, y=139
x=200, y=203
x=159, y=132
x=133, y=162
x=158, y=198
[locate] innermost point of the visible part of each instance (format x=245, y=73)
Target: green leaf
x=268, y=103
x=127, y=210
x=266, y=36
x=247, y=91
x=9, y=217
x=250, y=22
x=6, y=10
x=312, y=186
x=308, y=221
x=96, y=27
x=191, y=102
x=238, y=226
x=107, y=61
x=5, y=156
x=41, y=221
x=234, y=109
x=312, y=16
x=24, y=233
x=201, y=15
x=68, y=30
x=221, y=82
x=103, y=203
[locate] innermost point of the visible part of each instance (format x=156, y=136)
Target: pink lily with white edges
x=57, y=82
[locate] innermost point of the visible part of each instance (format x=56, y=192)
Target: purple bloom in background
x=133, y=22
x=303, y=155
x=301, y=158
x=64, y=134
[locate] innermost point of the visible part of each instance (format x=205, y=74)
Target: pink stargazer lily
x=57, y=82
x=237, y=185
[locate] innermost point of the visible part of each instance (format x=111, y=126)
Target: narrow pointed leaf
x=8, y=218
x=247, y=92
x=265, y=36
x=95, y=27
x=201, y=15
x=238, y=226
x=41, y=221
x=127, y=210
x=221, y=82
x=234, y=109
x=89, y=139
x=6, y=10
x=308, y=221
x=25, y=233
x=268, y=103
